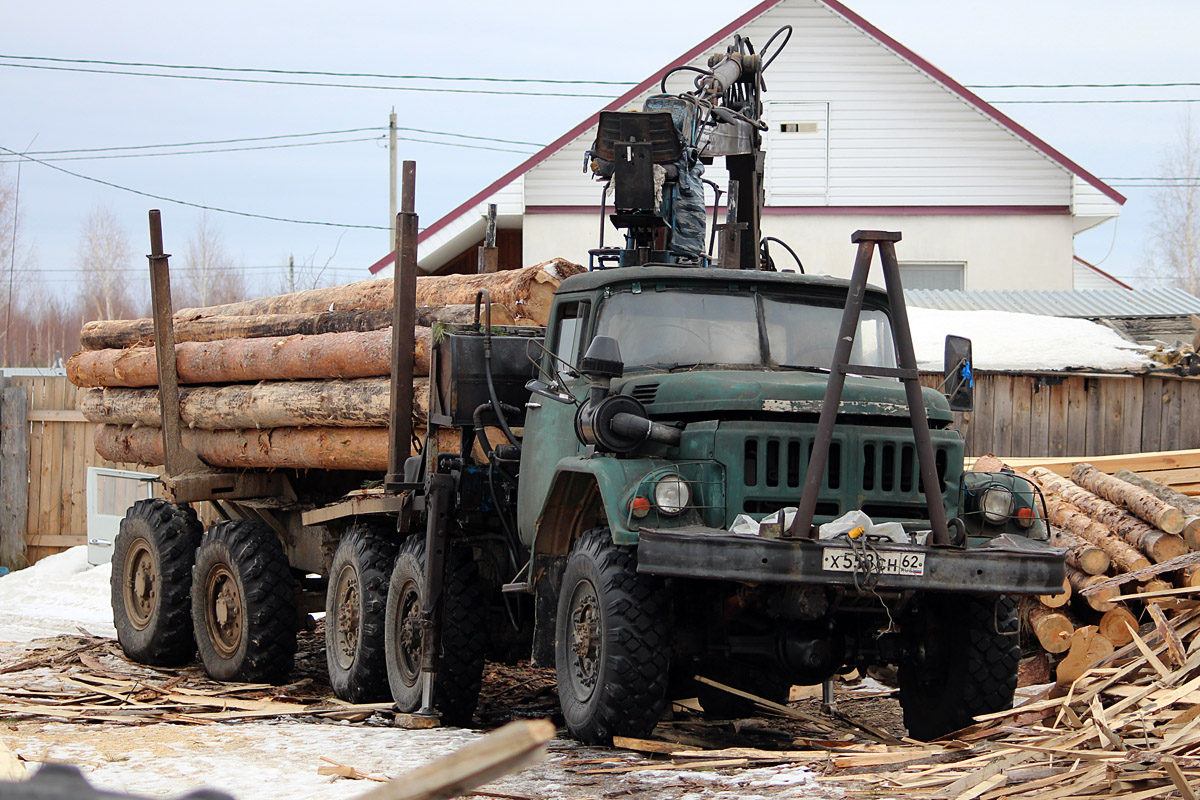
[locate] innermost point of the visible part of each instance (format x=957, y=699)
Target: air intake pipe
x=614, y=423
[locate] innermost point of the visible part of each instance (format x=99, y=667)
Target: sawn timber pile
x=297, y=381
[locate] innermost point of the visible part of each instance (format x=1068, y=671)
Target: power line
x=189, y=204
x=216, y=150
x=490, y=79
x=1173, y=84
x=434, y=90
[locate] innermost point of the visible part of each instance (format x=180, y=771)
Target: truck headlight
x=997, y=504
x=671, y=494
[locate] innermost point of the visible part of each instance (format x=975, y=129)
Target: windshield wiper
x=678, y=365
x=803, y=368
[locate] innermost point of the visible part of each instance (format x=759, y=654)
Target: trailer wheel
x=612, y=642
x=964, y=664
x=152, y=582
x=464, y=633
x=355, y=604
x=243, y=603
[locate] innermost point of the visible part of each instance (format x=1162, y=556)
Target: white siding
x=1090, y=206
x=897, y=137
x=1087, y=278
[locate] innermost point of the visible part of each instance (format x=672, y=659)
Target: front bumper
x=1008, y=567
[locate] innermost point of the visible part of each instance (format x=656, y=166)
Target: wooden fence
x=1059, y=414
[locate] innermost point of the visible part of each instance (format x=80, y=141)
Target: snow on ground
x=1002, y=340
x=266, y=760
x=58, y=594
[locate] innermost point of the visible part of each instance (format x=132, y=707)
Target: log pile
x=293, y=381
x=1128, y=558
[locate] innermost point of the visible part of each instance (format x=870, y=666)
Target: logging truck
x=700, y=473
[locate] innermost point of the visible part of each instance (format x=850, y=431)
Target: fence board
x=1112, y=399
x=1057, y=418
x=1076, y=416
x=1094, y=445
x=1039, y=416
x=1022, y=406
x=1170, y=419
x=1189, y=414
x=1152, y=405
x=981, y=442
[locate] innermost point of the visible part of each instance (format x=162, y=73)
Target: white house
x=864, y=133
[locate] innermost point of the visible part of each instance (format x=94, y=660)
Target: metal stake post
x=489, y=256
x=404, y=312
x=801, y=526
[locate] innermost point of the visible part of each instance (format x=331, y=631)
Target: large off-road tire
x=244, y=604
x=355, y=604
x=964, y=664
x=612, y=643
x=152, y=582
x=463, y=633
x=756, y=679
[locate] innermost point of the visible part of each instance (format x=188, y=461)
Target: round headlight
x=997, y=504
x=671, y=494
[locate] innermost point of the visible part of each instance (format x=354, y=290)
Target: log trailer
x=675, y=444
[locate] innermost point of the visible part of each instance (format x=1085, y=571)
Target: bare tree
x=105, y=256
x=1174, y=252
x=208, y=276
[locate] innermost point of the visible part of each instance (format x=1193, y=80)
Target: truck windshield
x=679, y=328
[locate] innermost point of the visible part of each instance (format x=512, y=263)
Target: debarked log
x=105, y=334
x=1135, y=499
x=319, y=357
x=361, y=403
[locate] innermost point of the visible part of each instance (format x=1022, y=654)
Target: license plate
x=840, y=559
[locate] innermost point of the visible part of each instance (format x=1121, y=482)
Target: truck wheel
x=612, y=642
x=965, y=664
x=752, y=678
x=355, y=603
x=464, y=633
x=243, y=603
x=152, y=582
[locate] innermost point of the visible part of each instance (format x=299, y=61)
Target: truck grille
x=873, y=469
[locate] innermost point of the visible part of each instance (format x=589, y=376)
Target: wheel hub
x=141, y=584
x=224, y=617
x=347, y=604
x=408, y=655
x=585, y=639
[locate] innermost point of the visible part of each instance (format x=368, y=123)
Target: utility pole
x=291, y=273
x=392, y=176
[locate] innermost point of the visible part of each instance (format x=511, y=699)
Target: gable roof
x=838, y=8
x=1102, y=273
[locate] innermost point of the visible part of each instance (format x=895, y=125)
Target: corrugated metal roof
x=1082, y=304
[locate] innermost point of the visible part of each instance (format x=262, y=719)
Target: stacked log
x=294, y=381
x=1121, y=541
x=1188, y=505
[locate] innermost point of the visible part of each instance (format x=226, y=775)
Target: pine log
x=1156, y=544
x=1081, y=554
x=1159, y=585
x=1124, y=557
x=1117, y=625
x=1052, y=628
x=106, y=334
x=1088, y=648
x=1188, y=576
x=525, y=294
x=363, y=449
x=1188, y=505
x=1135, y=499
x=465, y=314
x=1101, y=600
x=1057, y=600
x=360, y=403
x=324, y=356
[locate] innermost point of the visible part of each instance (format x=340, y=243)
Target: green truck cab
x=633, y=561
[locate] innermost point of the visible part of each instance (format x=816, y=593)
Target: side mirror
x=959, y=374
x=550, y=392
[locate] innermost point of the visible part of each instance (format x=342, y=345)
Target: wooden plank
x=52, y=465
x=60, y=542
x=1152, y=405
x=1076, y=416
x=1131, y=426
x=1170, y=419
x=1138, y=462
x=1094, y=445
x=982, y=418
x=14, y=477
x=56, y=415
x=37, y=433
x=1002, y=414
x=77, y=497
x=1112, y=398
x=1056, y=419
x=1189, y=414
x=1022, y=408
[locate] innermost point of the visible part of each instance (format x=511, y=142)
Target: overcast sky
x=1067, y=41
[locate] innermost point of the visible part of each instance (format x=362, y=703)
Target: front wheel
x=244, y=604
x=459, y=674
x=612, y=642
x=962, y=663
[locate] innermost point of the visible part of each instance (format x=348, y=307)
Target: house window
x=933, y=274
